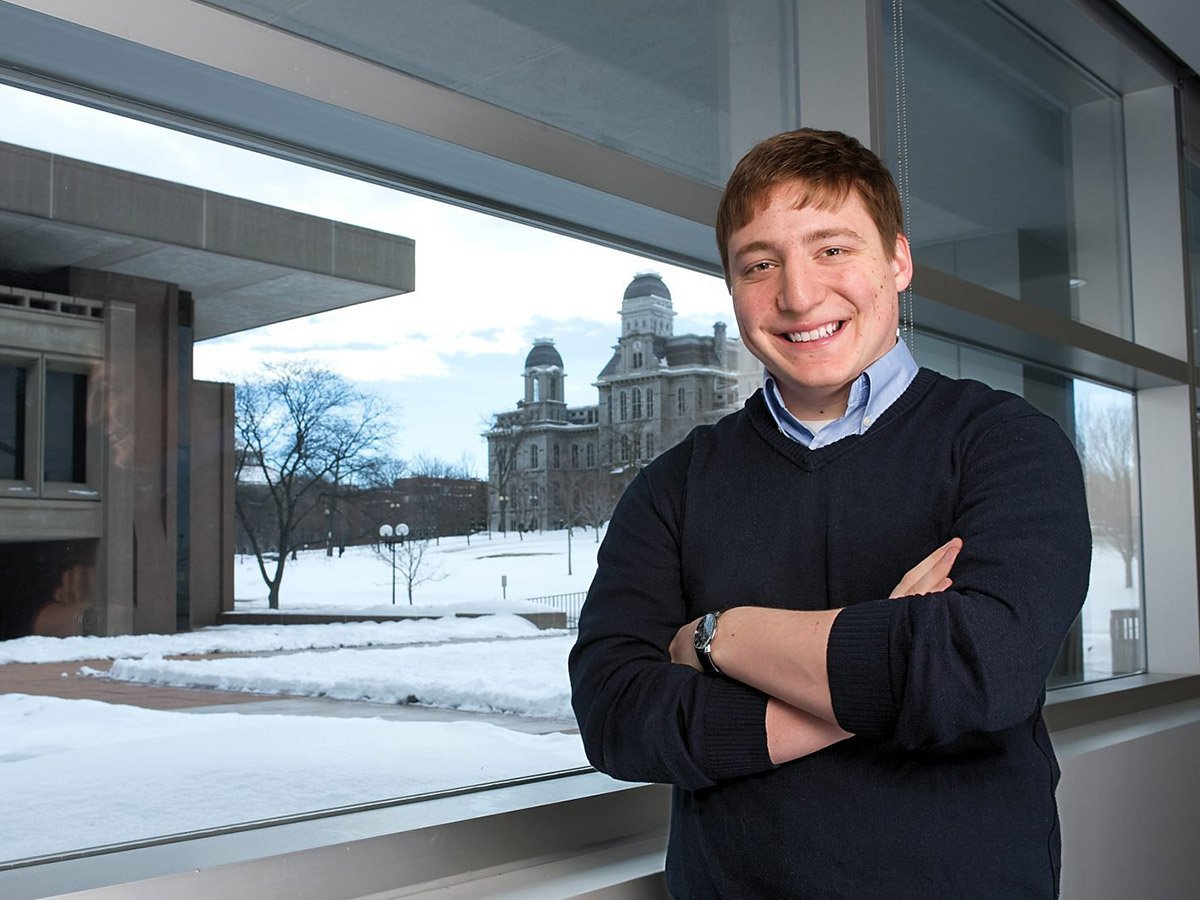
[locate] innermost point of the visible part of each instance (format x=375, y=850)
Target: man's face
x=815, y=296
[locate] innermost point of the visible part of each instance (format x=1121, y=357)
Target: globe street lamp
x=393, y=536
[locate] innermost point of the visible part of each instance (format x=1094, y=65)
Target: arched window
x=637, y=403
x=637, y=446
x=610, y=418
x=533, y=457
x=624, y=448
x=537, y=389
x=637, y=359
x=623, y=406
x=650, y=403
x=574, y=456
x=649, y=446
x=555, y=455
x=682, y=401
x=553, y=388
x=591, y=456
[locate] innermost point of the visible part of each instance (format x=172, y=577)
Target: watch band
x=706, y=632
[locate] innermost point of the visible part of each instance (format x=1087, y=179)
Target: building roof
x=543, y=354
x=647, y=284
x=245, y=264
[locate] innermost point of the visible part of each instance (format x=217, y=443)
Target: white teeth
x=800, y=337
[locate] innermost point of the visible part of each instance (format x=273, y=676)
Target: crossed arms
x=783, y=654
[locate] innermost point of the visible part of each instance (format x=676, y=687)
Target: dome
x=543, y=354
x=645, y=284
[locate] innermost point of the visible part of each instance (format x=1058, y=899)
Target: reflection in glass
x=12, y=422
x=1015, y=163
x=66, y=427
x=1108, y=638
x=679, y=85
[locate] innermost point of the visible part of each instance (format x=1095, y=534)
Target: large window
x=48, y=446
x=618, y=122
x=420, y=520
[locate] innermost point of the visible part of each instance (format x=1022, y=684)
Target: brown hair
x=827, y=165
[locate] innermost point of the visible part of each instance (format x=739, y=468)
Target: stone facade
x=550, y=465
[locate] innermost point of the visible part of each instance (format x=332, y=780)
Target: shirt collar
x=877, y=388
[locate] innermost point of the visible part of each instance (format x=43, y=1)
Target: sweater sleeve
x=928, y=670
x=642, y=717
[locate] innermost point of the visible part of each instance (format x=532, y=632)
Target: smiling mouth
x=823, y=331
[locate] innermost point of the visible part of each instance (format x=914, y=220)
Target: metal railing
x=568, y=604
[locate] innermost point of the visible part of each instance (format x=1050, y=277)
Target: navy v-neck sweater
x=947, y=788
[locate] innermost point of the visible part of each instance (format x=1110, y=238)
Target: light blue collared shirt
x=872, y=392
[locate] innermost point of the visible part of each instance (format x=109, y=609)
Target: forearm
x=781, y=653
x=793, y=733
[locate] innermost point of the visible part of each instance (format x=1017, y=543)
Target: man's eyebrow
x=825, y=234
x=753, y=247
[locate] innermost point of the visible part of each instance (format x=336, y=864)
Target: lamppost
x=504, y=514
x=393, y=536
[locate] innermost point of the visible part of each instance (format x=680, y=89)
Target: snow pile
x=265, y=638
x=525, y=677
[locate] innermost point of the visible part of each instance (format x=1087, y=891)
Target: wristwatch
x=706, y=631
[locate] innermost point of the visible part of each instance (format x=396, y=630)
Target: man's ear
x=902, y=264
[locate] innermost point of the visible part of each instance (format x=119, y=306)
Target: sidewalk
x=63, y=679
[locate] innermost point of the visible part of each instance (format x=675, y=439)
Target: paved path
x=63, y=679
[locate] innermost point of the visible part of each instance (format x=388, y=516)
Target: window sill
x=585, y=830
x=1086, y=704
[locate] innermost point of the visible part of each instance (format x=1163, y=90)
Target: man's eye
x=758, y=267
x=833, y=251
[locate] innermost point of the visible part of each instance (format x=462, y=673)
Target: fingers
x=932, y=573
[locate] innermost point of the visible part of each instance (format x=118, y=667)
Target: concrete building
x=551, y=464
x=115, y=463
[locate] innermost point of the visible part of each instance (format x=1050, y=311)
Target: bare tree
x=589, y=497
x=301, y=430
x=506, y=438
x=1106, y=448
x=411, y=564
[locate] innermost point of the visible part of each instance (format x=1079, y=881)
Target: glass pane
x=65, y=446
x=1015, y=162
x=1192, y=206
x=453, y=670
x=12, y=422
x=659, y=80
x=1108, y=638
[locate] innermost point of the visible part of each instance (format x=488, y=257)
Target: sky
x=448, y=355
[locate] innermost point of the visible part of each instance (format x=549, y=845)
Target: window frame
x=175, y=66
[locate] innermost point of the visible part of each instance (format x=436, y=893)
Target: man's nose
x=800, y=289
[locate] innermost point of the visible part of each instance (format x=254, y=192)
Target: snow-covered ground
x=66, y=766
x=78, y=773
x=462, y=577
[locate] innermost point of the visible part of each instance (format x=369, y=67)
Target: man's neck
x=819, y=408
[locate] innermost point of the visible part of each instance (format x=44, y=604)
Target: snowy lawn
x=526, y=677
x=78, y=773
x=463, y=577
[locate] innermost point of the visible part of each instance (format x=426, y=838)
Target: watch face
x=704, y=631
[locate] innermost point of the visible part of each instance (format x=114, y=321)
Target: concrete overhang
x=245, y=264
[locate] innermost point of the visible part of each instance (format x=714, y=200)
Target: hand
x=683, y=646
x=931, y=574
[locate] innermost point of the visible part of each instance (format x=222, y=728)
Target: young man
x=836, y=723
